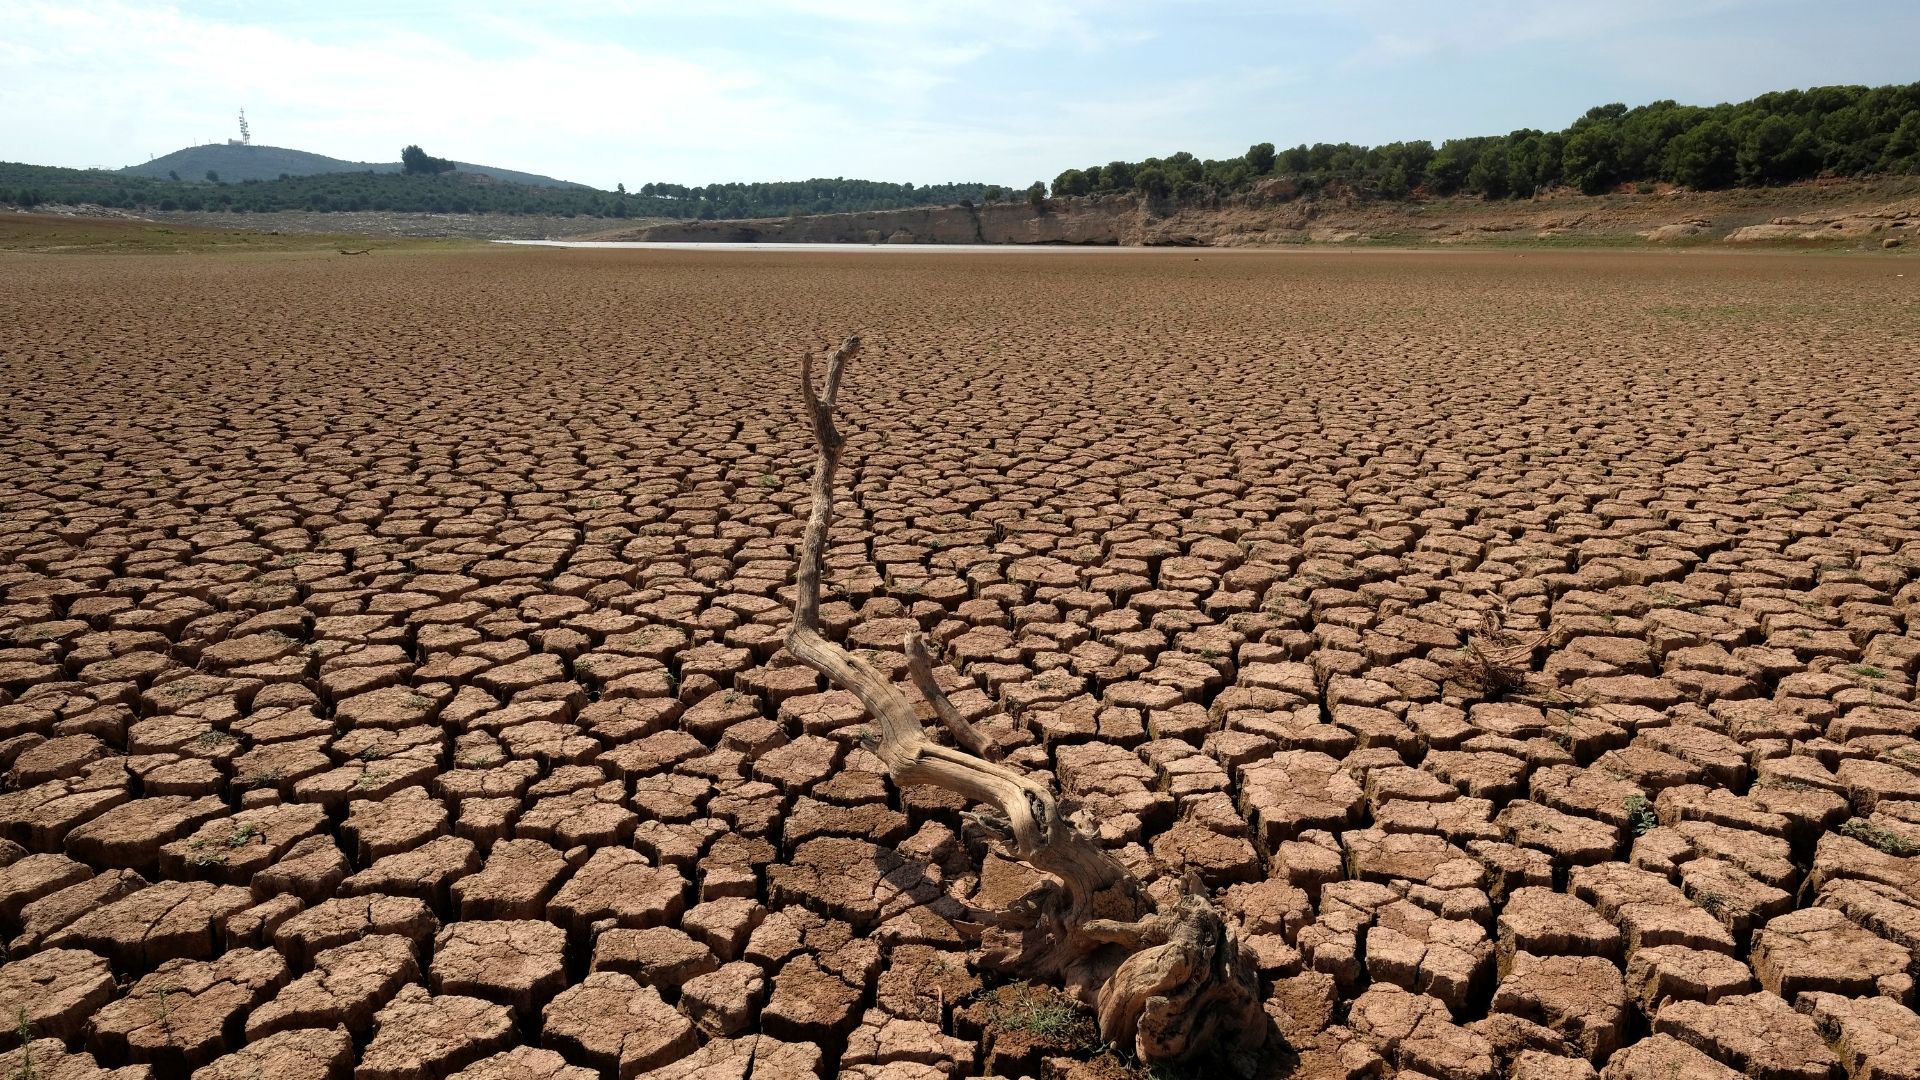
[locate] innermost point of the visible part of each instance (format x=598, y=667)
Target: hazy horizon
x=631, y=91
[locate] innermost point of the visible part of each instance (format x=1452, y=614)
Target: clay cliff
x=1112, y=219
x=1858, y=213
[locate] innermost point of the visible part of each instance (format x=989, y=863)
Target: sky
x=998, y=91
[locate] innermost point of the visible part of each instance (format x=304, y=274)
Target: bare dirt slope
x=1521, y=644
x=398, y=223
x=376, y=224
x=64, y=234
x=1839, y=213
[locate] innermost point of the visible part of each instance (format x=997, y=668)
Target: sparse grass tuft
x=1876, y=837
x=1044, y=1013
x=264, y=778
x=214, y=852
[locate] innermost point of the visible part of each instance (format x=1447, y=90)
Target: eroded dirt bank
x=1845, y=213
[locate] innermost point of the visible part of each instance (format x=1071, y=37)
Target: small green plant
x=1640, y=816
x=163, y=1007
x=1565, y=735
x=1712, y=901
x=213, y=852
x=23, y=1031
x=1874, y=836
x=1868, y=671
x=263, y=778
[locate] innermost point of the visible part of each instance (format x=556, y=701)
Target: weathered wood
x=1170, y=981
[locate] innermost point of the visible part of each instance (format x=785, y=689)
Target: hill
x=234, y=163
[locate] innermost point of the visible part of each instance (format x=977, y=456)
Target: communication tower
x=246, y=137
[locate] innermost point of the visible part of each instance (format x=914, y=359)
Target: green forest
x=430, y=189
x=1775, y=138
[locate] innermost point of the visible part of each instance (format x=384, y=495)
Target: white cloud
x=99, y=82
x=1392, y=31
x=606, y=91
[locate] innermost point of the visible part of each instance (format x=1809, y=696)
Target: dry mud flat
x=391, y=682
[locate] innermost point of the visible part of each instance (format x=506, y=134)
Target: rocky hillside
x=1861, y=213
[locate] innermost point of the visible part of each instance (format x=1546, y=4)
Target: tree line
x=422, y=192
x=1775, y=138
x=819, y=196
x=429, y=185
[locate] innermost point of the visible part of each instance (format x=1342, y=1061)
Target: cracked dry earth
x=1519, y=645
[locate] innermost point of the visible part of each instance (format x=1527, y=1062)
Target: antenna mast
x=246, y=137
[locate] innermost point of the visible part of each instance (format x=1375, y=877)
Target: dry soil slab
x=1519, y=642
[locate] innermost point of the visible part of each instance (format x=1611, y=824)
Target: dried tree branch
x=1168, y=983
x=965, y=735
x=1041, y=836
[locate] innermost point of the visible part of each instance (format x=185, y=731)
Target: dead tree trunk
x=1168, y=981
